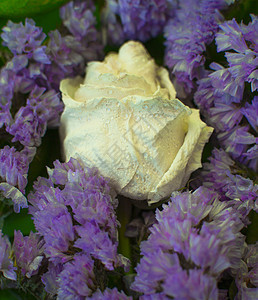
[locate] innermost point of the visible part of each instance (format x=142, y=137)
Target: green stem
x=124, y=212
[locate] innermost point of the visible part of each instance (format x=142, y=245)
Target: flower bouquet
x=129, y=157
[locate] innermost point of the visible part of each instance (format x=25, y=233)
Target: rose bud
x=124, y=119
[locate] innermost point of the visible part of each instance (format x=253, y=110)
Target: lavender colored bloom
x=25, y=39
x=6, y=264
x=144, y=19
x=187, y=35
x=74, y=211
x=54, y=223
x=157, y=296
x=237, y=141
x=14, y=167
x=66, y=57
x=221, y=175
x=246, y=277
x=87, y=193
x=69, y=53
x=30, y=123
x=230, y=37
x=97, y=243
x=28, y=252
x=112, y=29
x=109, y=294
x=196, y=238
x=225, y=116
x=243, y=63
x=6, y=95
x=77, y=279
x=78, y=18
x=221, y=93
x=250, y=111
x=50, y=278
x=191, y=285
x=139, y=19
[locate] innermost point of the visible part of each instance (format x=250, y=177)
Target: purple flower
x=221, y=175
x=109, y=294
x=54, y=223
x=187, y=34
x=50, y=278
x=190, y=285
x=97, y=243
x=25, y=39
x=74, y=211
x=222, y=97
x=78, y=18
x=28, y=252
x=237, y=141
x=250, y=111
x=81, y=43
x=230, y=37
x=14, y=167
x=6, y=264
x=112, y=29
x=65, y=54
x=196, y=238
x=246, y=277
x=143, y=20
x=87, y=193
x=243, y=62
x=30, y=123
x=77, y=279
x=225, y=117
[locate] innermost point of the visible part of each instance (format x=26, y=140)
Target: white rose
x=123, y=118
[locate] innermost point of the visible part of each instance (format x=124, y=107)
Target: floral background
x=64, y=235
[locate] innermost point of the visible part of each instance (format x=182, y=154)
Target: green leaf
x=21, y=221
x=11, y=294
x=18, y=8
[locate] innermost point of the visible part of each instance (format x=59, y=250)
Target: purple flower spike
x=77, y=280
x=97, y=243
x=230, y=37
x=250, y=111
x=14, y=167
x=219, y=175
x=25, y=39
x=28, y=252
x=109, y=294
x=43, y=109
x=50, y=278
x=196, y=238
x=54, y=223
x=6, y=265
x=187, y=34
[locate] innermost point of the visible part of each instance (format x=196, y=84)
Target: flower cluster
x=29, y=87
x=224, y=96
x=6, y=264
x=222, y=174
x=141, y=20
x=73, y=210
x=187, y=35
x=197, y=237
